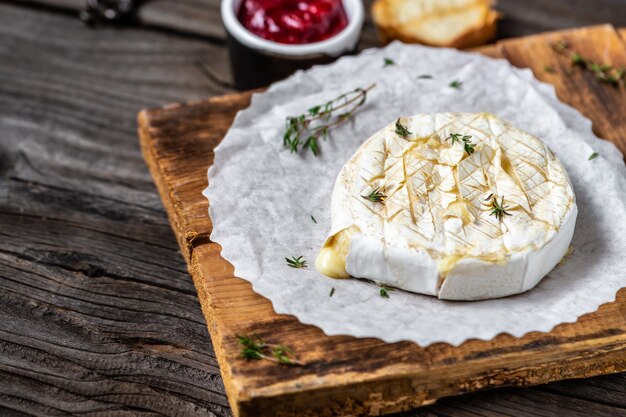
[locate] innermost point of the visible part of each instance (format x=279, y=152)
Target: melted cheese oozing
x=331, y=261
x=437, y=219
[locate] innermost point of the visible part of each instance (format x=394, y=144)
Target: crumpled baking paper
x=262, y=197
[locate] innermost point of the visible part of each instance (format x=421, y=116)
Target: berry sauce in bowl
x=293, y=21
x=269, y=40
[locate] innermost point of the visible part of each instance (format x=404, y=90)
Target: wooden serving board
x=350, y=376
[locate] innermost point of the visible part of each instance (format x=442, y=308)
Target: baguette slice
x=451, y=23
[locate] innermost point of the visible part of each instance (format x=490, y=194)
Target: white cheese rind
x=434, y=234
x=402, y=268
x=472, y=279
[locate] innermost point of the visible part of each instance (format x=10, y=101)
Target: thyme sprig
x=401, y=129
x=467, y=145
x=499, y=209
x=254, y=348
x=306, y=130
x=375, y=196
x=297, y=263
x=251, y=347
x=385, y=290
x=455, y=84
x=605, y=73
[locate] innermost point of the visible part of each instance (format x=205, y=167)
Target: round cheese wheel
x=462, y=206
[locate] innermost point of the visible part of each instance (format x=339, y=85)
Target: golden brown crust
x=389, y=30
x=479, y=35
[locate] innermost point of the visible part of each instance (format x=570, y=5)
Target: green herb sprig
x=455, y=84
x=254, y=348
x=401, y=129
x=375, y=196
x=385, y=290
x=499, y=209
x=297, y=263
x=467, y=145
x=605, y=73
x=388, y=61
x=251, y=347
x=306, y=130
x=594, y=155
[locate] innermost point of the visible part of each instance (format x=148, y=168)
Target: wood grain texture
x=387, y=377
x=604, y=104
x=97, y=312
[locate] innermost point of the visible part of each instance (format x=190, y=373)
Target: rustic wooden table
x=97, y=313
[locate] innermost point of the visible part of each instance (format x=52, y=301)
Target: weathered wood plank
x=415, y=375
x=189, y=16
x=515, y=403
x=189, y=220
x=606, y=390
x=97, y=313
x=389, y=377
x=604, y=104
x=522, y=18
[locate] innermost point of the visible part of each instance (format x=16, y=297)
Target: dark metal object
x=119, y=12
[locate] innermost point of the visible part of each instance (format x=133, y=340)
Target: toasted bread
x=452, y=23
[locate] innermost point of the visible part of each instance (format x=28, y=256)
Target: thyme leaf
x=297, y=263
x=387, y=62
x=401, y=129
x=605, y=73
x=499, y=209
x=332, y=292
x=384, y=291
x=284, y=355
x=467, y=145
x=456, y=84
x=251, y=347
x=254, y=348
x=592, y=156
x=375, y=196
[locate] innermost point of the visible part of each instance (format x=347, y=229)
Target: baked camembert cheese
x=462, y=206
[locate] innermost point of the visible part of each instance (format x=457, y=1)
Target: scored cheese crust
x=434, y=227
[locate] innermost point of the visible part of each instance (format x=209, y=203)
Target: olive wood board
x=345, y=375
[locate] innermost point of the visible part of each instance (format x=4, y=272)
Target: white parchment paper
x=262, y=197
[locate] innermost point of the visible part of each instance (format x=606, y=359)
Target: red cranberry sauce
x=293, y=21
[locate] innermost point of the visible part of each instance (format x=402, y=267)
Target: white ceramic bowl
x=344, y=41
